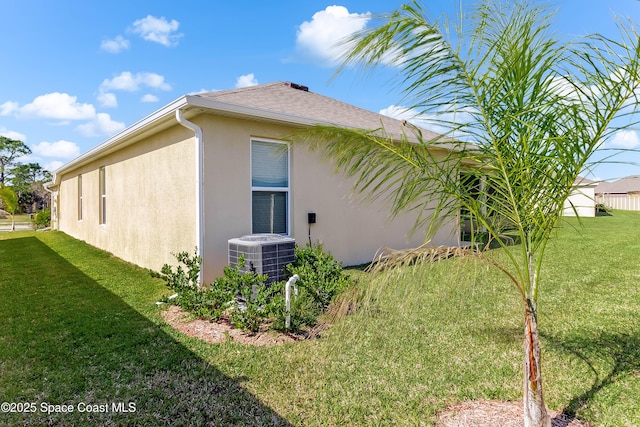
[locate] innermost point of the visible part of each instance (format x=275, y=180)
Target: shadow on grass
x=623, y=350
x=66, y=340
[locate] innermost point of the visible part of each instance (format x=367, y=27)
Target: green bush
x=239, y=293
x=183, y=278
x=42, y=219
x=321, y=275
x=250, y=300
x=321, y=278
x=245, y=297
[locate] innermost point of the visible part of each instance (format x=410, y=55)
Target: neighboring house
x=622, y=194
x=211, y=167
x=581, y=201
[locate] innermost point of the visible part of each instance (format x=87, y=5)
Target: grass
x=82, y=326
x=19, y=218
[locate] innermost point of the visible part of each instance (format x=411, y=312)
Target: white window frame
x=286, y=190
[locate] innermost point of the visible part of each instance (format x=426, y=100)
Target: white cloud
x=115, y=45
x=100, y=125
x=56, y=105
x=158, y=30
x=246, y=81
x=323, y=38
x=398, y=112
x=53, y=165
x=442, y=122
x=412, y=116
x=132, y=82
x=203, y=90
x=60, y=149
x=149, y=98
x=8, y=108
x=625, y=139
x=108, y=100
x=12, y=134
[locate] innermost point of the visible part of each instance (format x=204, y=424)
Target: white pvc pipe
x=199, y=187
x=287, y=298
x=54, y=202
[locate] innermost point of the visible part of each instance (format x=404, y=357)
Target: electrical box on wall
x=311, y=218
x=263, y=254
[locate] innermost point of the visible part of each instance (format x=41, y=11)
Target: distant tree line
x=25, y=180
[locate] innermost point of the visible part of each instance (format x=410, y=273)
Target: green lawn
x=19, y=219
x=81, y=327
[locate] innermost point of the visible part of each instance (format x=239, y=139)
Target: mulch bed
x=493, y=413
x=221, y=331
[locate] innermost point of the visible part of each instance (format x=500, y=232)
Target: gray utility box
x=264, y=254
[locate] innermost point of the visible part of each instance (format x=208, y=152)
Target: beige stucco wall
x=351, y=230
x=150, y=200
x=582, y=201
x=151, y=210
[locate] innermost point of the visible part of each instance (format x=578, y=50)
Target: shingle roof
x=284, y=98
x=621, y=186
x=582, y=181
x=277, y=101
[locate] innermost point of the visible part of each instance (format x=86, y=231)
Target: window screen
x=270, y=187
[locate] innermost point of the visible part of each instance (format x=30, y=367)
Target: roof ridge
x=238, y=89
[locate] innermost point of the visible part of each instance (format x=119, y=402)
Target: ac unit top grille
x=263, y=254
x=261, y=238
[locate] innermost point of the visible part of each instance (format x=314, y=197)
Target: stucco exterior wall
x=582, y=199
x=351, y=230
x=150, y=198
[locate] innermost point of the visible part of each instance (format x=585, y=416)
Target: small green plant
x=246, y=299
x=42, y=219
x=321, y=275
x=249, y=305
x=182, y=278
x=202, y=302
x=242, y=295
x=321, y=278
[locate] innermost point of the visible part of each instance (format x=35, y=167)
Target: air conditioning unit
x=263, y=254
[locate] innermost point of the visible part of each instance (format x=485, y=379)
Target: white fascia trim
x=185, y=103
x=121, y=137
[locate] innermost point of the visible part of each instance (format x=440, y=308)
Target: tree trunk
x=535, y=412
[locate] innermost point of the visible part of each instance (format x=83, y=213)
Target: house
x=622, y=194
x=581, y=201
x=211, y=167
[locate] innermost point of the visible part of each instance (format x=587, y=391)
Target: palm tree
x=524, y=112
x=10, y=202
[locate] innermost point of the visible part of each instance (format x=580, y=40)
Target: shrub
x=321, y=278
x=183, y=278
x=321, y=275
x=248, y=301
x=250, y=297
x=42, y=219
x=237, y=292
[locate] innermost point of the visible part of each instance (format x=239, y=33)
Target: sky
x=75, y=73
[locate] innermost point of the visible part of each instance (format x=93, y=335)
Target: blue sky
x=76, y=72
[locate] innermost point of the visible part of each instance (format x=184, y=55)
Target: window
x=79, y=197
x=269, y=187
x=103, y=196
x=473, y=186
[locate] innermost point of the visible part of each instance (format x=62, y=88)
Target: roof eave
x=124, y=137
x=240, y=111
x=235, y=110
x=194, y=105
